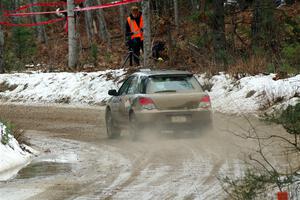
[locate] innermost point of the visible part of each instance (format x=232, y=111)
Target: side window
x=124, y=87
x=143, y=84
x=133, y=86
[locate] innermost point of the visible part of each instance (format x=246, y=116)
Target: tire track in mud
x=89, y=172
x=168, y=166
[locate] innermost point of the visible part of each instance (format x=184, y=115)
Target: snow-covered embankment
x=71, y=88
x=252, y=94
x=12, y=156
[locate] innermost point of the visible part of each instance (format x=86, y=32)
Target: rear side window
x=143, y=84
x=133, y=86
x=157, y=84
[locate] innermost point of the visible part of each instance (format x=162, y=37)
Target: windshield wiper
x=162, y=91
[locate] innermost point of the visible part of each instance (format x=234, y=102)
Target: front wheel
x=112, y=131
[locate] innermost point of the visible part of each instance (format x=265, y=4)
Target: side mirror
x=113, y=93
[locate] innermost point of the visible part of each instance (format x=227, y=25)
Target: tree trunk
x=14, y=5
x=147, y=32
x=73, y=53
x=218, y=28
x=1, y=47
x=194, y=5
x=122, y=20
x=256, y=23
x=104, y=34
x=170, y=42
x=176, y=15
x=202, y=7
x=264, y=23
x=40, y=30
x=157, y=7
x=1, y=51
x=89, y=23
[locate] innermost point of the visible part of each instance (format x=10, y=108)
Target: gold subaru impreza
x=160, y=100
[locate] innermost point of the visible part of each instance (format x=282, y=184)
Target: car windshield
x=160, y=84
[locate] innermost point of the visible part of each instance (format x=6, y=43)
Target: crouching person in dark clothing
x=134, y=34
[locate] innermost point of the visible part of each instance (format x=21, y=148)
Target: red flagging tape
x=282, y=196
x=33, y=24
x=108, y=5
x=53, y=4
x=50, y=4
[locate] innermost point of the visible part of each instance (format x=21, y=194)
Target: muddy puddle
x=43, y=169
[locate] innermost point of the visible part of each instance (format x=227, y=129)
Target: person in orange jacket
x=134, y=33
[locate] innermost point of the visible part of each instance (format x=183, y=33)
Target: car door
x=117, y=107
x=127, y=98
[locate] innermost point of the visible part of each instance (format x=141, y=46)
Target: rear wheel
x=112, y=131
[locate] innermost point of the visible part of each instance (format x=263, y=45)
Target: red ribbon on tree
x=15, y=14
x=51, y=4
x=107, y=5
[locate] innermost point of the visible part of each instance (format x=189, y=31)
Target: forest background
x=248, y=37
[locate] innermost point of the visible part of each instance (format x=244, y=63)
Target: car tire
x=112, y=131
x=134, y=128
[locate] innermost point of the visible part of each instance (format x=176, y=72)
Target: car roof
x=162, y=72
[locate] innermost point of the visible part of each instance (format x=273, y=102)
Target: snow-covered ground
x=247, y=95
x=253, y=94
x=73, y=88
x=12, y=156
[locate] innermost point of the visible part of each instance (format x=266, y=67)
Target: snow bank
x=81, y=88
x=252, y=94
x=247, y=95
x=12, y=157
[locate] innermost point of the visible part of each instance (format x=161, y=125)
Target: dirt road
x=77, y=160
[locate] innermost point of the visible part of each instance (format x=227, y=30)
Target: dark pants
x=135, y=45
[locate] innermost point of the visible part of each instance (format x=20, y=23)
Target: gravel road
x=77, y=161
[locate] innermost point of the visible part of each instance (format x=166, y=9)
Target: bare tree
x=1, y=51
x=122, y=19
x=202, y=7
x=147, y=32
x=256, y=22
x=218, y=28
x=263, y=22
x=194, y=4
x=88, y=22
x=73, y=53
x=176, y=15
x=1, y=46
x=104, y=34
x=40, y=30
